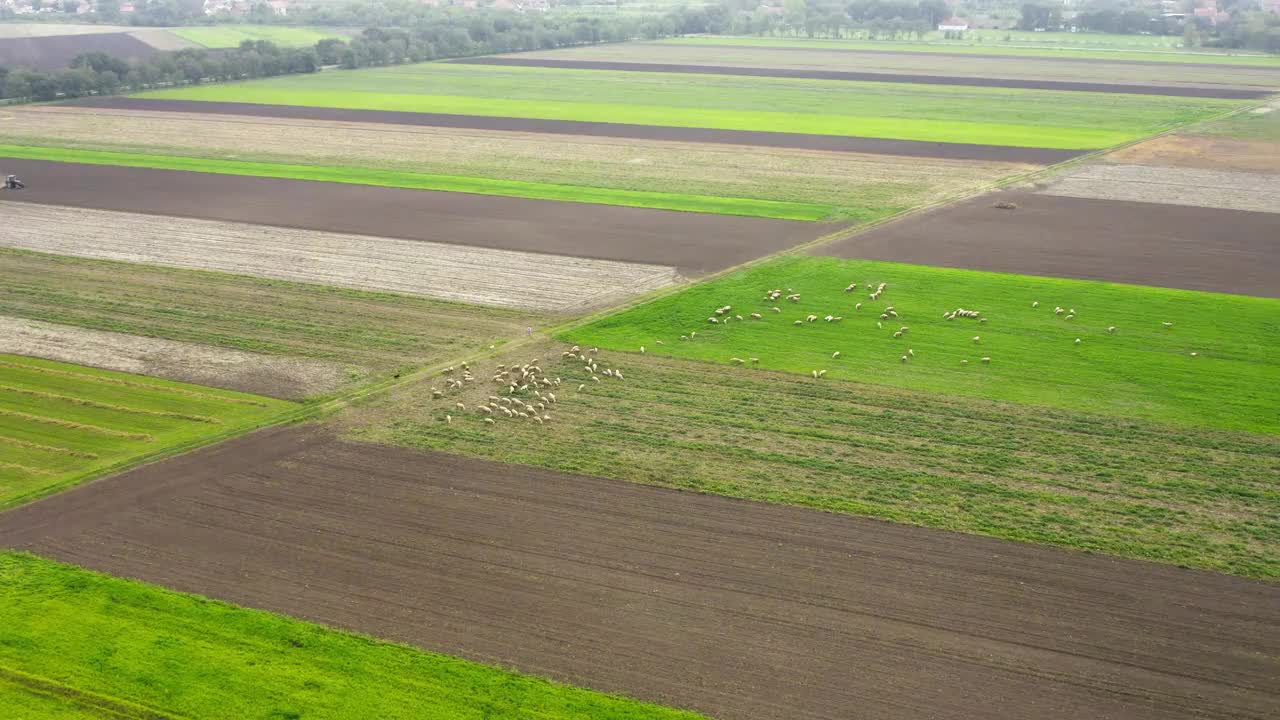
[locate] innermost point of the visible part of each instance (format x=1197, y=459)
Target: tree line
x=446, y=34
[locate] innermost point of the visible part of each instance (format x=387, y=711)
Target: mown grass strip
x=444, y=183
x=77, y=632
x=63, y=423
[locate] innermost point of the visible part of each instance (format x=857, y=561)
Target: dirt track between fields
x=695, y=243
x=1192, y=248
x=799, y=141
x=741, y=610
x=1024, y=84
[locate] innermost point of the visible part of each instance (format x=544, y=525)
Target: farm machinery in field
x=11, y=182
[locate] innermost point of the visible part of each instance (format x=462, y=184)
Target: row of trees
x=447, y=34
x=813, y=18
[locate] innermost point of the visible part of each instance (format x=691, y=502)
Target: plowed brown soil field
x=1192, y=248
x=693, y=242
x=741, y=610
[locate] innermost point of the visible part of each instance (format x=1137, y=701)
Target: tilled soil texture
x=1140, y=243
x=740, y=610
x=1193, y=187
x=1197, y=151
x=693, y=242
x=500, y=278
x=799, y=141
x=1185, y=91
x=55, y=52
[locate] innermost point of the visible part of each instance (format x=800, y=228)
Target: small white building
x=953, y=25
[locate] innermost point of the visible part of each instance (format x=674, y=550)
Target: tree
x=1036, y=16
x=933, y=12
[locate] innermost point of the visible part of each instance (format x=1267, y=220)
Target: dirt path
x=1225, y=93
x=832, y=143
x=577, y=230
x=1129, y=242
x=741, y=610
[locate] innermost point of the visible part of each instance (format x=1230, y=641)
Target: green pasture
x=957, y=114
x=447, y=183
x=1259, y=126
x=1142, y=370
x=229, y=36
x=72, y=639
x=1047, y=45
x=60, y=423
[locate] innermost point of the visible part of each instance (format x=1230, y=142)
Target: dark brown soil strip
x=1185, y=91
x=744, y=611
x=799, y=141
x=693, y=242
x=56, y=52
x=1193, y=248
x=1172, y=66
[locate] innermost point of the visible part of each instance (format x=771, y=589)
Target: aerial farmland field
x=60, y=423
x=1022, y=118
x=766, y=378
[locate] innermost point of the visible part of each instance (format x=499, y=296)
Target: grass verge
x=1213, y=366
x=445, y=183
x=60, y=422
x=73, y=640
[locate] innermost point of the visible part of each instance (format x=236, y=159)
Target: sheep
x=977, y=338
x=1112, y=329
x=1167, y=324
x=547, y=418
x=684, y=337
x=460, y=407
x=903, y=329
x=898, y=334
x=1077, y=341
x=857, y=306
x=595, y=379
x=551, y=397
x=581, y=386
x=755, y=361
x=489, y=421
x=1195, y=354
x=893, y=313
x=1058, y=311
x=641, y=349
x=982, y=320
x=660, y=342
x=904, y=358
x=852, y=287
x=811, y=318
x=884, y=316
x=1068, y=317
x=911, y=352
x=835, y=354
x=436, y=393
x=448, y=419
x=964, y=362
x=821, y=373
x=829, y=318
x=815, y=374
x=986, y=360
x=713, y=321
x=755, y=316
x=880, y=326
x=1035, y=304
x=798, y=322
x=736, y=361
x=485, y=410
x=776, y=309
x=738, y=317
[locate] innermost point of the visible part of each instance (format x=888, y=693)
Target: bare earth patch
x=1192, y=187
x=288, y=378
x=1198, y=151
x=484, y=276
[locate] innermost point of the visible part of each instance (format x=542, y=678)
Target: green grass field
x=1186, y=495
x=1045, y=119
x=71, y=639
x=446, y=183
x=60, y=423
x=1096, y=46
x=229, y=36
x=1143, y=370
x=1263, y=127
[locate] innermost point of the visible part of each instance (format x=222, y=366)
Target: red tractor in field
x=11, y=182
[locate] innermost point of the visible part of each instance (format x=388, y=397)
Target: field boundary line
x=99, y=703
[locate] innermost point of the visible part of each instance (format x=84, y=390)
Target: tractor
x=11, y=182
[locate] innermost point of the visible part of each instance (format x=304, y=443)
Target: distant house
x=127, y=7
x=279, y=7
x=953, y=25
